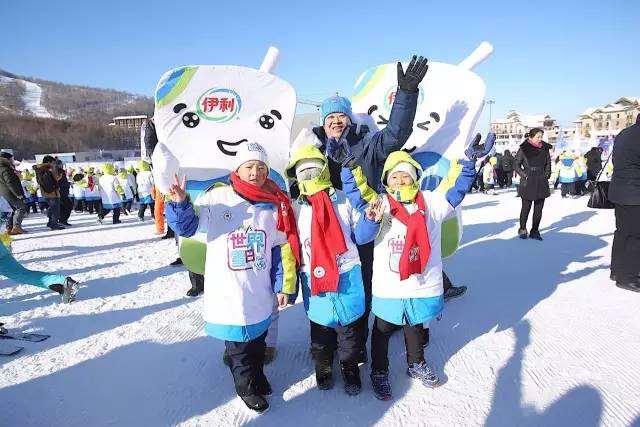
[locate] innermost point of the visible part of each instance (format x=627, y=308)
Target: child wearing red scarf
x=407, y=280
x=252, y=253
x=331, y=275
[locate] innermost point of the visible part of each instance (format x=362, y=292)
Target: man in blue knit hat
x=347, y=145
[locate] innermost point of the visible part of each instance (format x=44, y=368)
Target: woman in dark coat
x=533, y=164
x=624, y=192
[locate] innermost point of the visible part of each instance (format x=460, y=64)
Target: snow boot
x=454, y=292
x=380, y=384
x=351, y=378
x=629, y=284
x=262, y=387
x=70, y=289
x=178, y=261
x=522, y=233
x=255, y=402
x=423, y=372
x=324, y=374
x=535, y=234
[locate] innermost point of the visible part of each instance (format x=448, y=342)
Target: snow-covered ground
x=542, y=337
x=32, y=97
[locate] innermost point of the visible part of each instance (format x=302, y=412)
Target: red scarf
x=417, y=248
x=327, y=242
x=91, y=182
x=271, y=193
x=539, y=145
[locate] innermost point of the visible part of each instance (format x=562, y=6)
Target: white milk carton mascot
x=450, y=101
x=204, y=113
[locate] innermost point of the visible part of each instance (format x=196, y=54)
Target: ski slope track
x=32, y=97
x=541, y=338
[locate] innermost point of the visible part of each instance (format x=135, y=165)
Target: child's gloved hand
x=477, y=150
x=283, y=300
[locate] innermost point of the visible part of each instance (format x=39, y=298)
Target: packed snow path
x=541, y=338
x=32, y=97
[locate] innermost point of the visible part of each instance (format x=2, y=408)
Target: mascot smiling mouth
x=222, y=144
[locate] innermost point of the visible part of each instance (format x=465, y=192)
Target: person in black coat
x=66, y=205
x=624, y=192
x=507, y=167
x=594, y=162
x=533, y=164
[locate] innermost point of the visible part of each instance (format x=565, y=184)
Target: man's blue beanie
x=335, y=104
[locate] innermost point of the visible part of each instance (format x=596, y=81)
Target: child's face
x=399, y=179
x=254, y=172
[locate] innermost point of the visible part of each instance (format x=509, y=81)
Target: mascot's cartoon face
x=204, y=113
x=450, y=101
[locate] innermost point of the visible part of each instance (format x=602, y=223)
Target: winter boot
x=262, y=387
x=535, y=234
x=380, y=383
x=454, y=292
x=522, y=233
x=255, y=402
x=15, y=230
x=421, y=371
x=351, y=378
x=70, y=289
x=324, y=374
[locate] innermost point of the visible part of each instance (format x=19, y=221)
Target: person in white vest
x=145, y=188
x=407, y=281
x=331, y=273
x=252, y=253
x=123, y=179
x=111, y=193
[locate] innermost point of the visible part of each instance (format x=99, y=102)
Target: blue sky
x=556, y=57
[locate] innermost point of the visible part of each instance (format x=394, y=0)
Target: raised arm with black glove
x=417, y=69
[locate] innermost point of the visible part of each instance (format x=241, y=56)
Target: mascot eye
x=266, y=121
x=190, y=120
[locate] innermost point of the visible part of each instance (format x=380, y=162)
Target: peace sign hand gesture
x=375, y=211
x=177, y=190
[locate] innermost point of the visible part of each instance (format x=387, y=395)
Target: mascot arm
x=393, y=137
x=182, y=218
x=458, y=181
x=283, y=270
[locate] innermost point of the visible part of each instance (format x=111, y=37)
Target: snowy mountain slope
x=541, y=338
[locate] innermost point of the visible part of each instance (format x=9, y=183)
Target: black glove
x=416, y=71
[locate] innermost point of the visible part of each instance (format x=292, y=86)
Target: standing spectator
x=507, y=168
x=47, y=177
x=624, y=192
x=594, y=162
x=11, y=190
x=145, y=188
x=533, y=164
x=499, y=172
x=66, y=205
